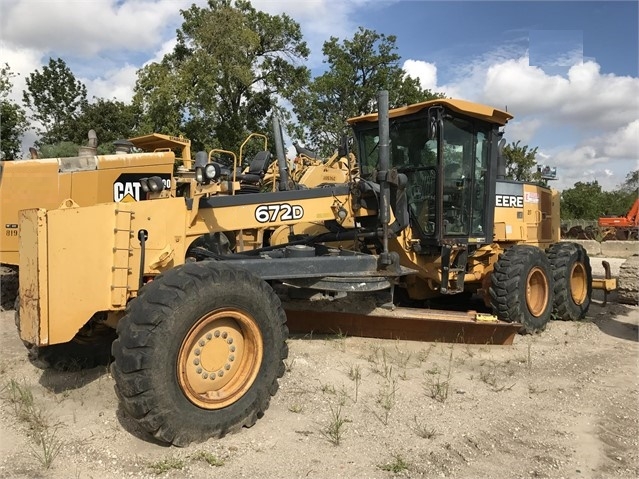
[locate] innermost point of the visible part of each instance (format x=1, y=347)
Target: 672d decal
x=278, y=212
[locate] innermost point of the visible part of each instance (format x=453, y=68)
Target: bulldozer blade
x=406, y=324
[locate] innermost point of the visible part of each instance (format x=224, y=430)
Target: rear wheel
x=573, y=280
x=199, y=352
x=521, y=288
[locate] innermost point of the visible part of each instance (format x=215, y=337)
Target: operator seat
x=257, y=168
x=249, y=181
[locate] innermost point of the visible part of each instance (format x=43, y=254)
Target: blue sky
x=567, y=70
x=461, y=31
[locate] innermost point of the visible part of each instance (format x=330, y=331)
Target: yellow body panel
x=34, y=313
x=526, y=213
x=46, y=183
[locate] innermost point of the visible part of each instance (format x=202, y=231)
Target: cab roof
x=156, y=141
x=476, y=110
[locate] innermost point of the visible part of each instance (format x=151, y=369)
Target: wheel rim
x=536, y=291
x=578, y=283
x=219, y=358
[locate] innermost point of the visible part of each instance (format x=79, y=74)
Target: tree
x=63, y=149
x=357, y=69
x=56, y=98
x=619, y=201
x=520, y=162
x=222, y=79
x=583, y=201
x=110, y=119
x=160, y=99
x=587, y=201
x=13, y=121
x=631, y=185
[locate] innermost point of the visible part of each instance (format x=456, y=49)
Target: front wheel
x=199, y=352
x=573, y=280
x=521, y=288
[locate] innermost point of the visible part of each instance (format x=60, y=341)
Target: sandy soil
x=563, y=403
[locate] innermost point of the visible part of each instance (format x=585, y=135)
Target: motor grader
x=201, y=333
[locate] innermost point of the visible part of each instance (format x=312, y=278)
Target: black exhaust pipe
x=279, y=151
x=383, y=171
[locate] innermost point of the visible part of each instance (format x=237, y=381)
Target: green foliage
x=397, y=465
x=357, y=69
x=159, y=98
x=221, y=80
x=110, y=119
x=64, y=149
x=520, y=162
x=13, y=121
x=166, y=465
x=582, y=201
x=587, y=201
x=631, y=185
x=56, y=98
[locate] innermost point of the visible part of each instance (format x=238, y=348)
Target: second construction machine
x=201, y=333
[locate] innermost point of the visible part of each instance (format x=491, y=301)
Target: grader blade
x=406, y=324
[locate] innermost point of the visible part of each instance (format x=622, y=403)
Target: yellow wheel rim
x=578, y=283
x=220, y=358
x=537, y=291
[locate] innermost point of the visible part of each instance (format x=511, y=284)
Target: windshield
x=465, y=151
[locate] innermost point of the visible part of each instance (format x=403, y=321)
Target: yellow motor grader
x=201, y=333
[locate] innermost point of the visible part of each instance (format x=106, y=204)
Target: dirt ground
x=560, y=404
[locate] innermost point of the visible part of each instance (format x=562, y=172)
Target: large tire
x=573, y=280
x=199, y=352
x=89, y=348
x=522, y=287
x=8, y=286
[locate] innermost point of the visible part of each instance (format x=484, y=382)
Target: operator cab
x=447, y=149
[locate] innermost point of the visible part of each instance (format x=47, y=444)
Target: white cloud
x=114, y=84
x=586, y=98
x=624, y=143
x=424, y=71
x=523, y=130
x=87, y=28
x=22, y=61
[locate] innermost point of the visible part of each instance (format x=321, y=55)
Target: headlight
x=155, y=184
x=212, y=171
x=199, y=174
x=144, y=184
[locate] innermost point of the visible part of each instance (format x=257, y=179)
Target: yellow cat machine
x=87, y=179
x=201, y=333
